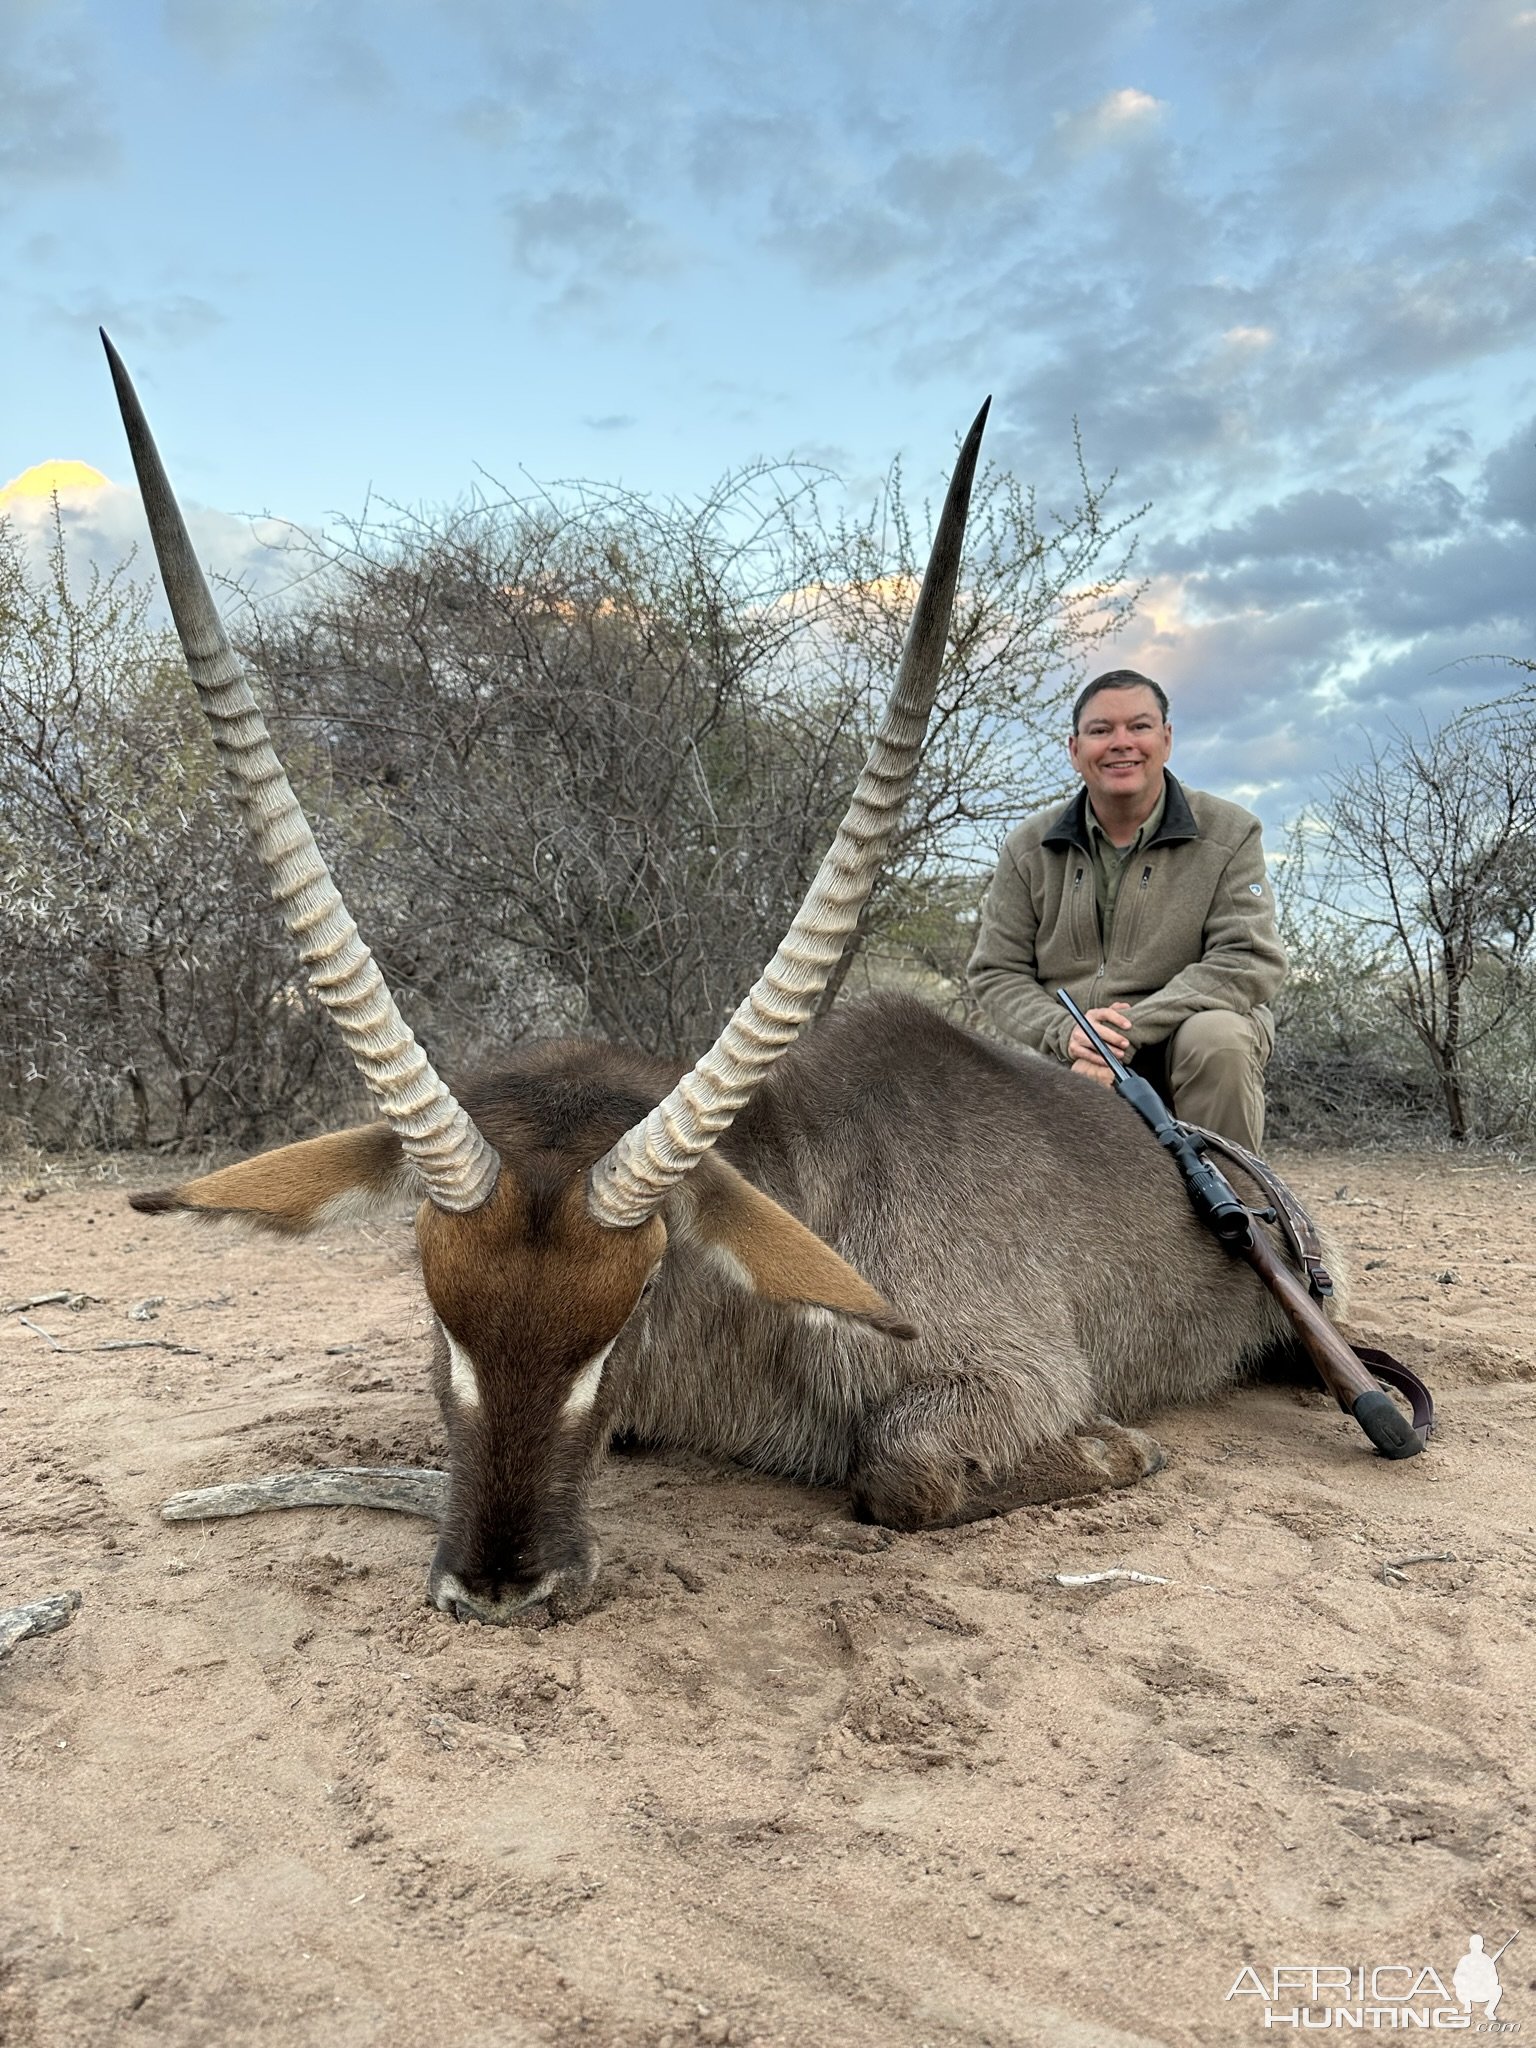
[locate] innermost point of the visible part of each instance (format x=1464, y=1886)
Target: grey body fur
x=1026, y=1220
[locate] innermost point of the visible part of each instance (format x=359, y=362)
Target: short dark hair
x=1118, y=679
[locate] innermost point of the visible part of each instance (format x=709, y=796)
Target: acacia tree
x=565, y=723
x=147, y=993
x=610, y=738
x=1429, y=847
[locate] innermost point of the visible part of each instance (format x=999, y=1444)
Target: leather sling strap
x=1296, y=1226
x=1406, y=1381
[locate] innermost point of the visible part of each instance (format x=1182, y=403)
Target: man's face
x=1121, y=746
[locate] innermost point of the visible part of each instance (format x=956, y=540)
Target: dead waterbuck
x=888, y=1253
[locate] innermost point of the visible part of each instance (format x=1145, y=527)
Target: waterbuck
x=888, y=1254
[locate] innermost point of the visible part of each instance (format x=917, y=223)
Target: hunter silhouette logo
x=1380, y=1997
x=1476, y=1977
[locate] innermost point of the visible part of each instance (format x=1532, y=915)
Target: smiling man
x=1149, y=903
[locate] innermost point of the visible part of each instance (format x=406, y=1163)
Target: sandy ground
x=793, y=1781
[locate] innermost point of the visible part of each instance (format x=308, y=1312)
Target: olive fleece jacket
x=1194, y=925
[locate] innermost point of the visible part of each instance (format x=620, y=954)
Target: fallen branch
x=61, y=1294
x=1116, y=1571
x=1391, y=1571
x=38, y=1331
x=406, y=1489
x=37, y=1618
x=149, y=1344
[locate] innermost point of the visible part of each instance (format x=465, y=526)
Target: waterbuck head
x=545, y=1214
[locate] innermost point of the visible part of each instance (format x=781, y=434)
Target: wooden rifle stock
x=1341, y=1372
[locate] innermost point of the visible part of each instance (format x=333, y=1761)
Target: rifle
x=1229, y=1218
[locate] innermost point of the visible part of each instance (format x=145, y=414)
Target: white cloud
x=1118, y=108
x=103, y=525
x=1118, y=117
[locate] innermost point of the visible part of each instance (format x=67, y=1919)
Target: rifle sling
x=1296, y=1226
x=1406, y=1381
x=1300, y=1233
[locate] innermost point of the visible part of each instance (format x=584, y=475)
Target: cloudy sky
x=1277, y=256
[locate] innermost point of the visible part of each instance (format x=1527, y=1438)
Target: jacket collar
x=1071, y=828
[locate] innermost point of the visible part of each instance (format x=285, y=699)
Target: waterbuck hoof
x=1123, y=1455
x=927, y=1493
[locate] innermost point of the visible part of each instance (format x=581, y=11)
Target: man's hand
x=1113, y=1025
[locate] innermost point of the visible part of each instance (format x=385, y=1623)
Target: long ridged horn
x=454, y=1161
x=631, y=1181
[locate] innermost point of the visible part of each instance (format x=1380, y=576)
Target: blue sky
x=1279, y=259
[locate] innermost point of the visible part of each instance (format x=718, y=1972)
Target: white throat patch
x=462, y=1383
x=578, y=1401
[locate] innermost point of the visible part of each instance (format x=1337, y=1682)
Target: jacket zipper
x=1135, y=910
x=1078, y=936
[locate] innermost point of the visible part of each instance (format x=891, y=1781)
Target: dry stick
x=1390, y=1569
x=149, y=1344
x=407, y=1489
x=36, y=1618
x=38, y=1330
x=13, y=1308
x=1118, y=1571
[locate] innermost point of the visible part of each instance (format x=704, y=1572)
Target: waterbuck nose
x=447, y=1591
x=500, y=1599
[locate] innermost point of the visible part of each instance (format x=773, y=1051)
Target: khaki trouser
x=1212, y=1072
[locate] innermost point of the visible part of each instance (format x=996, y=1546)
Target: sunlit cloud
x=1127, y=105
x=102, y=525
x=1119, y=117
x=44, y=480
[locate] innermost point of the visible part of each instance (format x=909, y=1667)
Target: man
x=1149, y=903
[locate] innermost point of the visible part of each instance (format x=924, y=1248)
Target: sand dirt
x=793, y=1781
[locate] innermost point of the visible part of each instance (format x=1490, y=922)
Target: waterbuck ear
x=299, y=1187
x=775, y=1255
